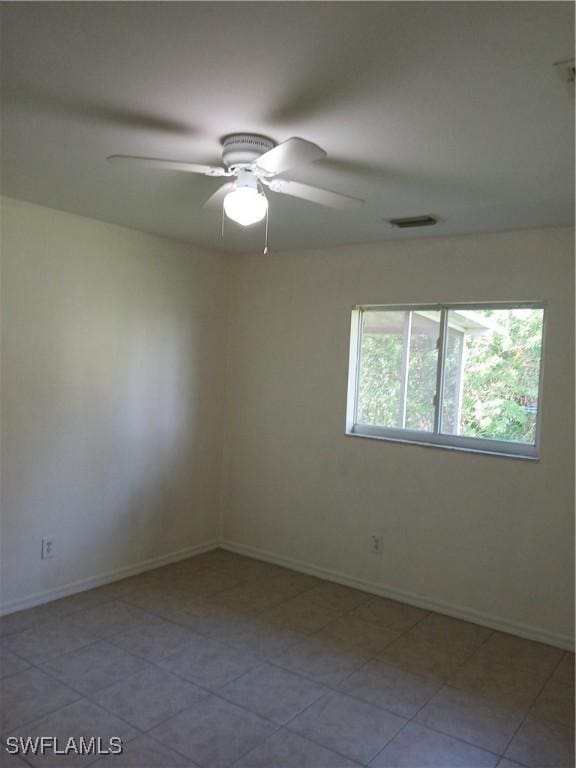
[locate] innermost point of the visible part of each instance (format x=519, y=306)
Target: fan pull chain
x=266, y=236
x=222, y=232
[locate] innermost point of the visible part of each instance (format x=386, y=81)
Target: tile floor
x=221, y=661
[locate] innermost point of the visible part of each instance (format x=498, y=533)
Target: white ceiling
x=449, y=108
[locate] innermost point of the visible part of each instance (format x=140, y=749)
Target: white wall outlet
x=376, y=544
x=47, y=547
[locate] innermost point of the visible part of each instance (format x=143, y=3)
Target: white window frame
x=436, y=438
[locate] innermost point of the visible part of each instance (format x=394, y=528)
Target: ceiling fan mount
x=243, y=149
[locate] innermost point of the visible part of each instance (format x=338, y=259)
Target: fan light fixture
x=254, y=162
x=245, y=204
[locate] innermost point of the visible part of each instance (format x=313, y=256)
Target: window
x=458, y=376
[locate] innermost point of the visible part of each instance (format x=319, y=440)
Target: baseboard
x=39, y=598
x=420, y=601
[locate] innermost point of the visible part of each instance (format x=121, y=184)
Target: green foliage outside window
x=502, y=377
x=499, y=385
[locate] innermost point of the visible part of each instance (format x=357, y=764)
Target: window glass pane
x=382, y=344
x=452, y=380
x=491, y=373
x=398, y=363
x=422, y=371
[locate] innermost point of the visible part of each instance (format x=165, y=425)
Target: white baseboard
x=420, y=601
x=39, y=598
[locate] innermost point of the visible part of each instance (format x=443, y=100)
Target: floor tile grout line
x=202, y=688
x=150, y=735
x=217, y=693
x=446, y=682
x=48, y=659
x=409, y=720
x=277, y=726
x=149, y=665
x=400, y=634
x=458, y=738
x=221, y=695
x=3, y=744
x=15, y=653
x=438, y=730
x=324, y=695
x=331, y=693
x=138, y=731
x=413, y=718
x=209, y=692
x=82, y=696
x=95, y=638
x=403, y=727
x=111, y=598
x=374, y=657
x=256, y=615
x=324, y=746
x=7, y=731
x=444, y=685
x=148, y=731
x=150, y=659
x=330, y=689
x=336, y=687
x=248, y=751
x=306, y=738
x=156, y=662
x=263, y=659
x=11, y=674
x=312, y=635
x=109, y=638
x=126, y=599
x=447, y=685
x=449, y=735
x=524, y=719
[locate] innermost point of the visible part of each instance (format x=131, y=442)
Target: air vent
x=414, y=221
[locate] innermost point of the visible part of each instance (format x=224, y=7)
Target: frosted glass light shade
x=245, y=205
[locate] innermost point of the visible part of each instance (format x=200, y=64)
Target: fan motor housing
x=244, y=148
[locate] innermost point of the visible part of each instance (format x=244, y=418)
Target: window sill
x=443, y=446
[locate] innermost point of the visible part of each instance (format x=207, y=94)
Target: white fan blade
x=288, y=155
x=168, y=165
x=315, y=194
x=217, y=199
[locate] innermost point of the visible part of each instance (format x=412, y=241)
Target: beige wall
x=113, y=368
x=113, y=354
x=478, y=535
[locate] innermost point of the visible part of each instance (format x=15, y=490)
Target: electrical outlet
x=376, y=544
x=47, y=547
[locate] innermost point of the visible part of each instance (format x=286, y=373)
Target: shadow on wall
x=119, y=437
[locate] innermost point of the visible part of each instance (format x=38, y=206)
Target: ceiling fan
x=254, y=162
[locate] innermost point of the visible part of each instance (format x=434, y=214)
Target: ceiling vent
x=414, y=221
